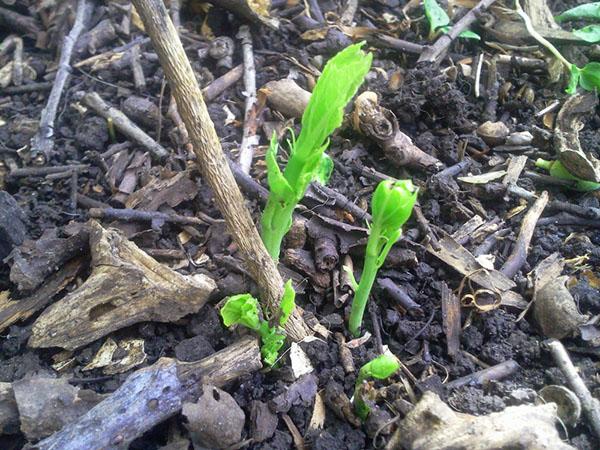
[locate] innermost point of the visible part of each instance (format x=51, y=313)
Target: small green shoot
x=557, y=170
x=380, y=368
x=243, y=309
x=341, y=78
x=391, y=207
x=587, y=11
x=587, y=77
x=440, y=22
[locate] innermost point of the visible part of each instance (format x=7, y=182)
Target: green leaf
x=468, y=34
x=590, y=76
x=341, y=78
x=288, y=303
x=575, y=74
x=557, y=170
x=587, y=11
x=436, y=16
x=325, y=169
x=277, y=182
x=241, y=309
x=591, y=33
x=380, y=368
x=272, y=341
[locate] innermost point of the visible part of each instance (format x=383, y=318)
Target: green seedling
x=340, y=80
x=243, y=310
x=439, y=22
x=391, y=207
x=557, y=170
x=587, y=77
x=380, y=368
x=591, y=11
x=587, y=11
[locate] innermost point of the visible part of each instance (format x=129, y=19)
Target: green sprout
x=557, y=170
x=391, y=207
x=340, y=80
x=243, y=309
x=591, y=11
x=440, y=22
x=587, y=77
x=380, y=368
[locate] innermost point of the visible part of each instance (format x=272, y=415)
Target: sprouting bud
x=392, y=204
x=241, y=309
x=380, y=368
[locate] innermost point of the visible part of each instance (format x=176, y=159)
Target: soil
x=436, y=109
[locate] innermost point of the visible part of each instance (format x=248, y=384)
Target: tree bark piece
x=126, y=286
x=124, y=125
x=381, y=125
x=433, y=425
x=43, y=142
x=211, y=159
x=518, y=257
x=150, y=396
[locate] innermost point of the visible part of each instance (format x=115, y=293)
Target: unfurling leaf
x=241, y=309
x=288, y=302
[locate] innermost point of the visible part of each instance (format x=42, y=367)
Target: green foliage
x=242, y=309
x=440, y=22
x=380, y=368
x=340, y=80
x=587, y=77
x=590, y=33
x=587, y=11
x=557, y=170
x=391, y=207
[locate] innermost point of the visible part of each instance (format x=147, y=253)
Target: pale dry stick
x=212, y=161
x=124, y=124
x=43, y=141
x=434, y=53
x=139, y=80
x=590, y=406
x=519, y=254
x=249, y=138
x=17, y=77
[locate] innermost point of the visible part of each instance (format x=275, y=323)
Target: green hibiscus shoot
x=391, y=207
x=380, y=368
x=557, y=170
x=243, y=309
x=340, y=80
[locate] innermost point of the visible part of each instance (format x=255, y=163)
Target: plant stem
x=538, y=37
x=275, y=225
x=366, y=284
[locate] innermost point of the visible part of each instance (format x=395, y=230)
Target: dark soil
x=437, y=110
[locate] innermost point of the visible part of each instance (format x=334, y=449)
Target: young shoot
x=589, y=11
x=391, y=207
x=440, y=22
x=243, y=309
x=557, y=170
x=587, y=77
x=340, y=80
x=380, y=368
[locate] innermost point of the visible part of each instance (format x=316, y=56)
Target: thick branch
x=210, y=156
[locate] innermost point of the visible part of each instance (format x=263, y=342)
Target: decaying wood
x=463, y=261
x=451, y=319
x=225, y=81
x=434, y=53
x=249, y=138
x=124, y=125
x=589, y=404
x=211, y=159
x=481, y=377
x=12, y=311
x=381, y=125
x=518, y=256
x=566, y=143
x=150, y=396
x=253, y=10
x=12, y=224
x=126, y=286
x=43, y=142
x=286, y=97
x=433, y=425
